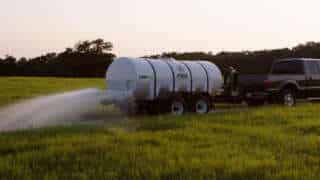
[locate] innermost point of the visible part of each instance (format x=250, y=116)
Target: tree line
x=85, y=59
x=91, y=59
x=249, y=62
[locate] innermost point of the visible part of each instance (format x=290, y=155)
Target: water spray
x=50, y=110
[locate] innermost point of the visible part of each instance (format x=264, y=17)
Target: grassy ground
x=13, y=89
x=259, y=143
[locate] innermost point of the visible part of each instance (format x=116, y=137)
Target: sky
x=31, y=28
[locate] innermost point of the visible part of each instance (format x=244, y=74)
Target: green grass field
x=14, y=89
x=270, y=142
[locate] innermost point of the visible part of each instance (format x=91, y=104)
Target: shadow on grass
x=159, y=123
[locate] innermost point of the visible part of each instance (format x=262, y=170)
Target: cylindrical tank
x=145, y=79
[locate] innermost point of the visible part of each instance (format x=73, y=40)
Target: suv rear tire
x=288, y=97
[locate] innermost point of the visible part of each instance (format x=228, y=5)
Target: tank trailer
x=137, y=85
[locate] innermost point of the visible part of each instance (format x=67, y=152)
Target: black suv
x=288, y=80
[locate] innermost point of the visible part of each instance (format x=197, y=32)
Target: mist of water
x=49, y=110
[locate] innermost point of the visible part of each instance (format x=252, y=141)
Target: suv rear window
x=288, y=67
x=313, y=67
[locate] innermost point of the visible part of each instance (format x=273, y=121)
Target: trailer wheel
x=201, y=105
x=177, y=106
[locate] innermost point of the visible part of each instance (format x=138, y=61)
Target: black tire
x=288, y=97
x=201, y=105
x=177, y=106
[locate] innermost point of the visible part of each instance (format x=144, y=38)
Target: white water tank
x=144, y=79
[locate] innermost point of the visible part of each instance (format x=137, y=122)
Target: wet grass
x=270, y=142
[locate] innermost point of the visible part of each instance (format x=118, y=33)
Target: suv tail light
x=267, y=84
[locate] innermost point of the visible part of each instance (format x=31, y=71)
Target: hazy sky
x=141, y=27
